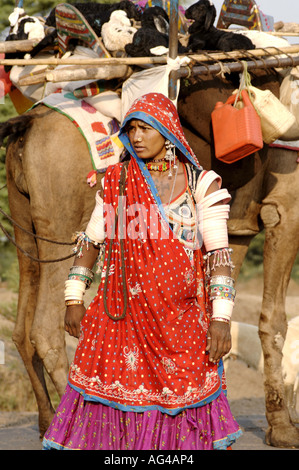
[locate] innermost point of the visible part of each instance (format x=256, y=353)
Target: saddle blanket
x=99, y=130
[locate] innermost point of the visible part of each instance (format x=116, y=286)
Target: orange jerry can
x=237, y=130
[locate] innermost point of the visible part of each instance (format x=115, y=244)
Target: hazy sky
x=285, y=10
x=281, y=10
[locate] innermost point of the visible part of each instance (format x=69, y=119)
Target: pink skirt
x=87, y=425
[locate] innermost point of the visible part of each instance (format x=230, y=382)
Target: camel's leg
x=28, y=288
x=56, y=162
x=280, y=217
x=47, y=331
x=281, y=432
x=239, y=245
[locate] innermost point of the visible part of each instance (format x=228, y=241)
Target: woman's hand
x=72, y=319
x=218, y=340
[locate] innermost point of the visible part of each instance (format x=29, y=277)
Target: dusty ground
x=18, y=417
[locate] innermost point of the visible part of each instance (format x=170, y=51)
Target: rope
x=10, y=238
x=33, y=234
x=223, y=70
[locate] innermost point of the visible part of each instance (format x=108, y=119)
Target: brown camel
x=47, y=163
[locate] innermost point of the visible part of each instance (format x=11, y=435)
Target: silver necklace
x=171, y=195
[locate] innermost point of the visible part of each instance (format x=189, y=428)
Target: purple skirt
x=87, y=425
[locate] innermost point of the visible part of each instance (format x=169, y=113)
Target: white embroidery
x=131, y=357
x=168, y=365
x=189, y=277
x=165, y=397
x=111, y=270
x=136, y=289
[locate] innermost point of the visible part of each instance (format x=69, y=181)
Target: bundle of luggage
x=129, y=28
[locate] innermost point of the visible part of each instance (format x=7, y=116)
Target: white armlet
x=96, y=227
x=213, y=218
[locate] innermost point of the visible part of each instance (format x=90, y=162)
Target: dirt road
x=19, y=430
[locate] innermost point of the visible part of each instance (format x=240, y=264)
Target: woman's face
x=146, y=141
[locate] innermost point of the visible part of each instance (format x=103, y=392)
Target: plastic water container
x=237, y=130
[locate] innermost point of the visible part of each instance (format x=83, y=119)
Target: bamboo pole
x=218, y=68
x=83, y=62
x=96, y=73
x=173, y=47
x=203, y=57
x=282, y=34
x=25, y=45
x=270, y=33
x=70, y=74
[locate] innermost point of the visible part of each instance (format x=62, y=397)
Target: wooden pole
x=25, y=45
x=214, y=69
x=71, y=74
x=203, y=57
x=93, y=73
x=83, y=62
x=173, y=46
x=173, y=29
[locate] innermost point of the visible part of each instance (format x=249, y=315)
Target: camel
x=47, y=162
x=246, y=346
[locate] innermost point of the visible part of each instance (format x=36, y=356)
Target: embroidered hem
x=83, y=425
x=141, y=399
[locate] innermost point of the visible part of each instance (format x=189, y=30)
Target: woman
x=147, y=373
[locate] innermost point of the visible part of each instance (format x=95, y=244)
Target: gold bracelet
x=74, y=302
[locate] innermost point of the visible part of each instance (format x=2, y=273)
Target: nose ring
x=139, y=139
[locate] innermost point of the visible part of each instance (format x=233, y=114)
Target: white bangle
x=222, y=310
x=74, y=289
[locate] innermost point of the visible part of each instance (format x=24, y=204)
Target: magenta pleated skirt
x=87, y=425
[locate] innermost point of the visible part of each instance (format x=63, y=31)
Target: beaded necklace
x=155, y=166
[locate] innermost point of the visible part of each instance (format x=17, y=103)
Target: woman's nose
x=137, y=136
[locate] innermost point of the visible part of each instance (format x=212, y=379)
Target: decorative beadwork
x=222, y=292
x=221, y=257
x=81, y=277
x=81, y=240
x=164, y=166
x=100, y=259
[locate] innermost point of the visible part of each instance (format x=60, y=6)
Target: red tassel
x=92, y=178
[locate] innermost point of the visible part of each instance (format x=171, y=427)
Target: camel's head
x=203, y=12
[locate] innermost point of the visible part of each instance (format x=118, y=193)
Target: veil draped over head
x=159, y=112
